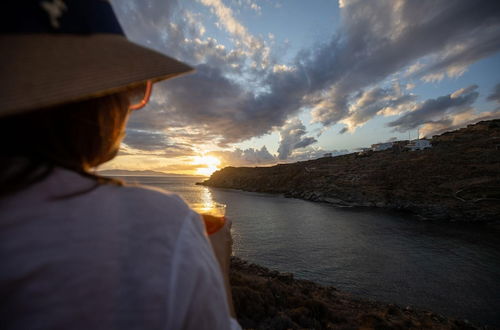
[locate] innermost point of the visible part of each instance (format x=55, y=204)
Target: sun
x=208, y=164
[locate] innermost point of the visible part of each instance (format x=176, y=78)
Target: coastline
x=268, y=299
x=458, y=179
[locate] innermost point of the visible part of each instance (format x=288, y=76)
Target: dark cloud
x=146, y=140
x=229, y=100
x=366, y=105
x=495, y=94
x=213, y=98
x=380, y=38
x=451, y=123
x=219, y=105
x=438, y=110
x=154, y=143
x=292, y=136
x=305, y=142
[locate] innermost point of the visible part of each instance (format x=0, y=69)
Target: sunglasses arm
x=145, y=100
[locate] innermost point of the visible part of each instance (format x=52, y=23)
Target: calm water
x=450, y=268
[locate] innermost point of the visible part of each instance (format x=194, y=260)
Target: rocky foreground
x=458, y=179
x=266, y=299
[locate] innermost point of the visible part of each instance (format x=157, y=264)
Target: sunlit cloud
x=292, y=137
x=444, y=111
x=377, y=101
x=246, y=157
x=253, y=45
x=246, y=86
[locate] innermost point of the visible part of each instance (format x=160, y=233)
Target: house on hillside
x=420, y=144
x=382, y=146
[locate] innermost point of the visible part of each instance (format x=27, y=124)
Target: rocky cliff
x=266, y=299
x=458, y=179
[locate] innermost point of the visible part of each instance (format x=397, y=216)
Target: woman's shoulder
x=143, y=202
x=132, y=203
x=135, y=193
x=146, y=213
x=69, y=195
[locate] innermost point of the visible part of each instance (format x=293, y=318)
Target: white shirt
x=111, y=258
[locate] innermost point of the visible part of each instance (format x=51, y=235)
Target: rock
x=457, y=180
x=267, y=299
x=336, y=201
x=285, y=277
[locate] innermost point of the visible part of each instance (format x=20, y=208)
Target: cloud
x=437, y=110
x=256, y=8
x=220, y=106
x=410, y=86
x=453, y=60
x=445, y=113
x=314, y=153
x=457, y=121
x=241, y=90
x=146, y=140
x=253, y=45
x=383, y=101
x=381, y=38
x=215, y=100
x=262, y=157
x=157, y=144
x=495, y=94
x=283, y=68
x=245, y=157
x=292, y=137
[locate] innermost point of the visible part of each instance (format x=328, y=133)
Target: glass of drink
x=213, y=214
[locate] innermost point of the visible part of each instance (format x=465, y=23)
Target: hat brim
x=43, y=70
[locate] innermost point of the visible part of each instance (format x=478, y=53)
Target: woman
x=78, y=251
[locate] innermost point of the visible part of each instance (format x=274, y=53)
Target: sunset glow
x=207, y=165
x=267, y=90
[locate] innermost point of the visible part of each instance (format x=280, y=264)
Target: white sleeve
x=197, y=299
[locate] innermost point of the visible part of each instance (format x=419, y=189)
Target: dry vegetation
x=458, y=179
x=266, y=299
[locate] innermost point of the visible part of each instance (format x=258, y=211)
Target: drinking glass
x=213, y=214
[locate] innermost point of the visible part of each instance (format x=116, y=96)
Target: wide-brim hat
x=60, y=51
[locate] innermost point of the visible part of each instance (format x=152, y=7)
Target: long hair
x=76, y=136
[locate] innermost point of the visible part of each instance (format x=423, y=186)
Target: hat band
x=58, y=17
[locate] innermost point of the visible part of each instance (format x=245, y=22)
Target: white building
x=382, y=146
x=419, y=145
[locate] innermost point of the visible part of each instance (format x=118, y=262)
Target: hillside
x=458, y=179
x=267, y=299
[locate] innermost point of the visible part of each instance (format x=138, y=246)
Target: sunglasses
x=139, y=96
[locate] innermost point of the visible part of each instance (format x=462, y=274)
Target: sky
x=281, y=81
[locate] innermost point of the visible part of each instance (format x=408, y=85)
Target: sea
x=449, y=268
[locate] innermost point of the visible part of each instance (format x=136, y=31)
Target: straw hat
x=59, y=51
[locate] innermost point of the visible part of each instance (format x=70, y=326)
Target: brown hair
x=76, y=136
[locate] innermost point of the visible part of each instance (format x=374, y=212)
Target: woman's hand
x=222, y=244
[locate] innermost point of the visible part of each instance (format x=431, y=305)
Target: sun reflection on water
x=206, y=204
